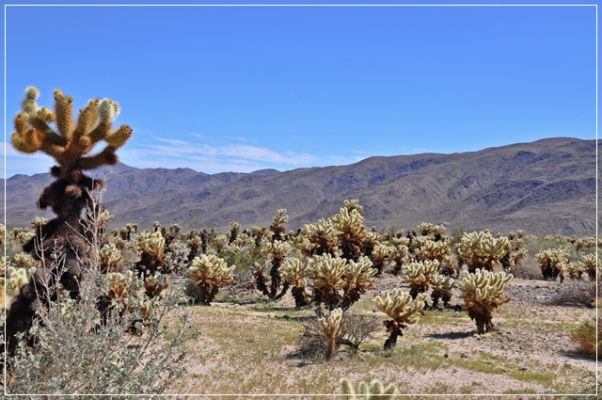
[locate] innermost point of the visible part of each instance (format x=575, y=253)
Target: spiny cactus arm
x=372, y=390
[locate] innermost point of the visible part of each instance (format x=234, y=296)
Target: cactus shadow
x=451, y=335
x=577, y=355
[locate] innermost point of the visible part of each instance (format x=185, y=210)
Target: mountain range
x=547, y=186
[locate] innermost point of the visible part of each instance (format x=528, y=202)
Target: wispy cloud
x=177, y=153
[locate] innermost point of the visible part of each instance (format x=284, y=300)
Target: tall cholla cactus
x=209, y=272
x=402, y=309
x=590, y=265
x=330, y=330
x=294, y=272
x=277, y=228
x=418, y=275
x=553, y=262
x=373, y=390
x=482, y=250
x=70, y=146
x=442, y=289
x=234, y=231
x=339, y=282
x=483, y=292
x=350, y=231
x=425, y=248
x=277, y=251
x=110, y=258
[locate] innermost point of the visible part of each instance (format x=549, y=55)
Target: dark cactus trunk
x=394, y=330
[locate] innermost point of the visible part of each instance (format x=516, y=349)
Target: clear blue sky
x=239, y=89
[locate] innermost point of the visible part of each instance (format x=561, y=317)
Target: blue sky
x=240, y=89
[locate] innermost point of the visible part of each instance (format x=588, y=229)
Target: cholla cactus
x=110, y=258
x=482, y=250
x=37, y=223
x=152, y=259
x=402, y=309
x=380, y=255
x=425, y=248
x=435, y=231
x=294, y=272
x=16, y=278
x=121, y=287
x=2, y=234
x=209, y=272
x=590, y=265
x=553, y=262
x=234, y=231
x=483, y=292
x=70, y=145
x=418, y=275
x=155, y=284
x=277, y=251
x=322, y=238
x=574, y=271
x=278, y=229
x=374, y=390
x=442, y=289
x=353, y=204
x=23, y=260
x=400, y=254
x=338, y=282
x=351, y=232
x=330, y=330
x=586, y=243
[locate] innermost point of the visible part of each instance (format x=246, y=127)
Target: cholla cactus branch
x=330, y=330
x=373, y=390
x=402, y=309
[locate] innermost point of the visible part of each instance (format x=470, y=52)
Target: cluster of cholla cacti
x=570, y=262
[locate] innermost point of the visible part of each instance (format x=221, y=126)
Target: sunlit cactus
x=110, y=258
x=330, y=329
x=339, y=282
x=350, y=231
x=234, y=231
x=553, y=262
x=590, y=265
x=399, y=255
x=2, y=234
x=23, y=260
x=380, y=256
x=441, y=289
x=425, y=248
x=121, y=287
x=277, y=228
x=322, y=238
x=574, y=270
x=194, y=243
x=294, y=271
x=16, y=278
x=418, y=276
x=209, y=273
x=483, y=292
x=402, y=309
x=353, y=204
x=152, y=245
x=277, y=251
x=155, y=284
x=481, y=250
x=585, y=243
x=435, y=231
x=373, y=390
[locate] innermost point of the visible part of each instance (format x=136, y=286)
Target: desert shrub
x=553, y=263
x=526, y=270
x=402, y=309
x=575, y=294
x=483, y=292
x=74, y=352
x=481, y=250
x=585, y=337
x=372, y=390
x=357, y=329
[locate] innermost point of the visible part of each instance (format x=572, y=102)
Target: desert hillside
x=547, y=186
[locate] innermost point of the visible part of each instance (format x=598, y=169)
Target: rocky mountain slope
x=546, y=186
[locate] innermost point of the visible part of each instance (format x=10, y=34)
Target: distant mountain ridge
x=547, y=186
